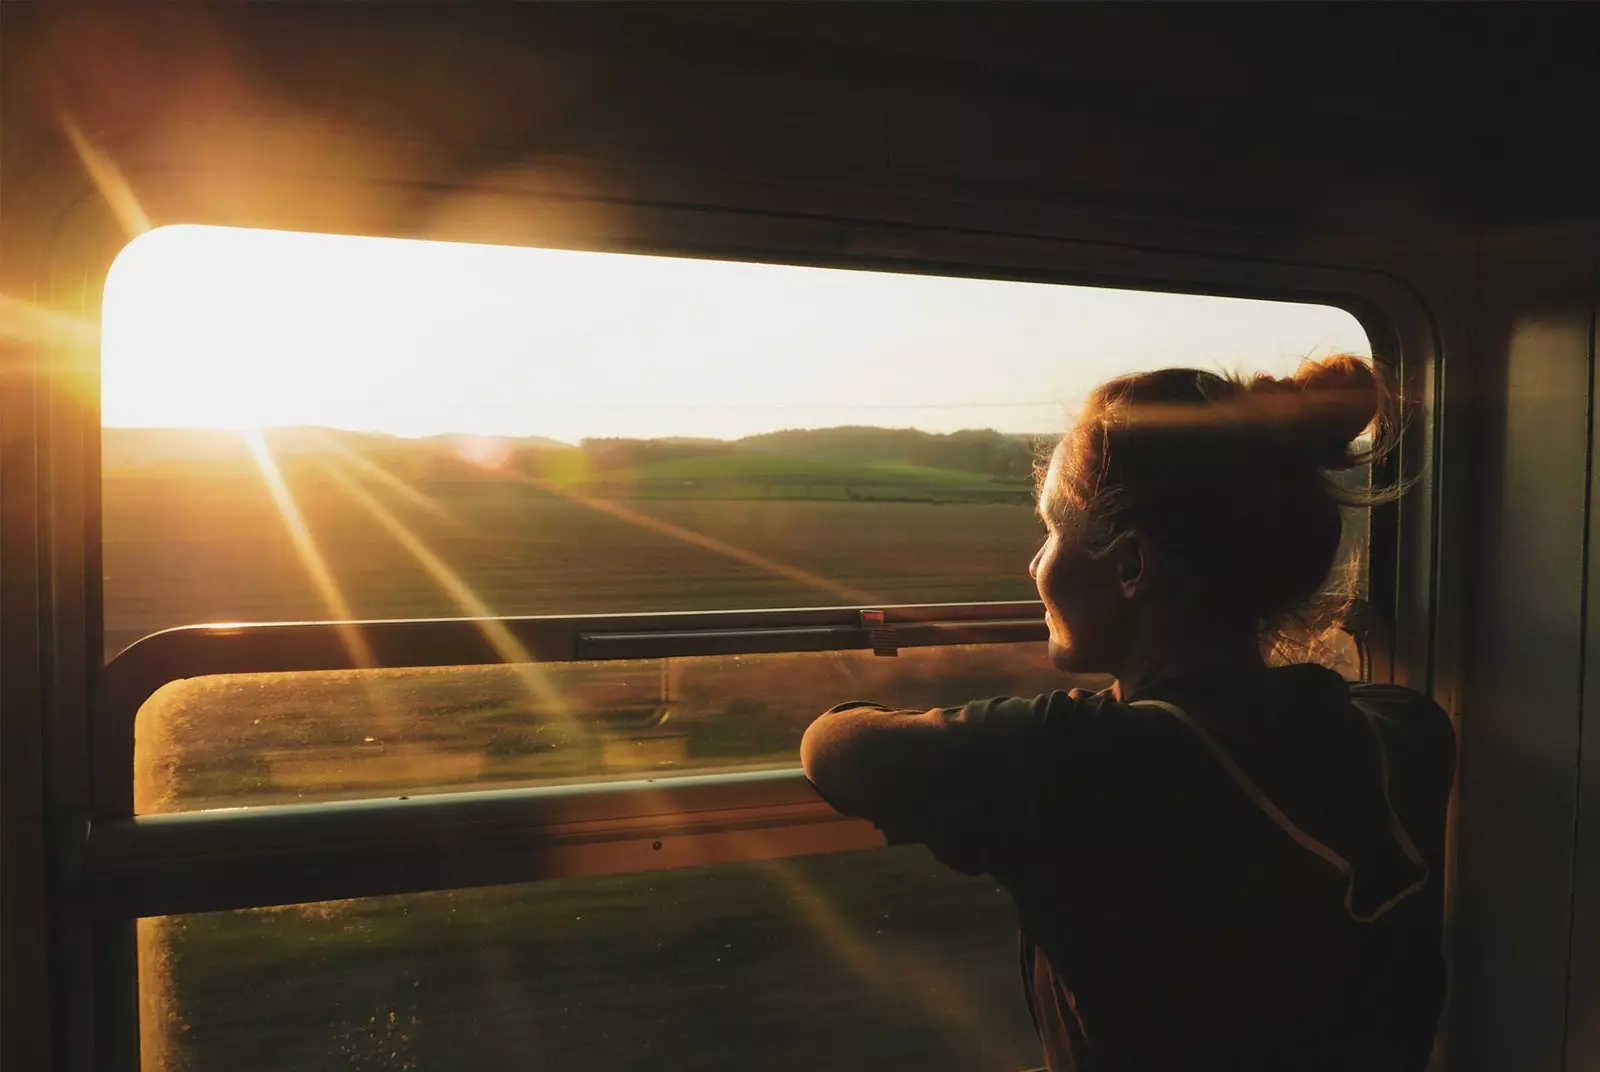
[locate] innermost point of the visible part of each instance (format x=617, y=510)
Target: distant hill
x=454, y=440
x=1003, y=457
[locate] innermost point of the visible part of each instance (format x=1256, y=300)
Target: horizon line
x=460, y=434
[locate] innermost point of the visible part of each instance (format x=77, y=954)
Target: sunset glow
x=221, y=328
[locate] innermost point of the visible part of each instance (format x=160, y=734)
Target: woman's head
x=1180, y=492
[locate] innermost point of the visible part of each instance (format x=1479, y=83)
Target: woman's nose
x=1033, y=567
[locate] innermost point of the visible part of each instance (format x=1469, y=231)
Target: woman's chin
x=1071, y=660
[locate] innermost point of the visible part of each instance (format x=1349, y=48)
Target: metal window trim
x=257, y=857
x=144, y=667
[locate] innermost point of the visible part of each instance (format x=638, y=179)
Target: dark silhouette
x=1230, y=860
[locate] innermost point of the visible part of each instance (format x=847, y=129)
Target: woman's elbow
x=830, y=753
x=818, y=753
x=848, y=751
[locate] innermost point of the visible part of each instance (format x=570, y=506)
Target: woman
x=1217, y=863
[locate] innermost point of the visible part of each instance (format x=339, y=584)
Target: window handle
x=884, y=638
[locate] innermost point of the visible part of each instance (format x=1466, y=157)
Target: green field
x=772, y=476
x=191, y=543
x=874, y=960
x=881, y=960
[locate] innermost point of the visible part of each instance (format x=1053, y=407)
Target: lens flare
x=699, y=539
x=153, y=785
x=486, y=452
x=500, y=638
x=936, y=993
x=27, y=322
x=316, y=566
x=108, y=179
x=369, y=468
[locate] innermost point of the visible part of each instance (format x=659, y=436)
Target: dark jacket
x=1245, y=874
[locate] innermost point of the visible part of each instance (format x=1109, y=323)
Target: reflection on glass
x=871, y=961
x=279, y=738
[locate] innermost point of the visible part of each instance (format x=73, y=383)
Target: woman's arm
x=952, y=778
x=867, y=760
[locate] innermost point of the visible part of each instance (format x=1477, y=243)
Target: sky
x=213, y=327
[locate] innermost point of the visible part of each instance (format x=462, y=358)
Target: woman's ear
x=1131, y=555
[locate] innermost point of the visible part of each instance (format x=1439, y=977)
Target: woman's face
x=1085, y=605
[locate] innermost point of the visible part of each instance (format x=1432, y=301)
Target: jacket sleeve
x=957, y=779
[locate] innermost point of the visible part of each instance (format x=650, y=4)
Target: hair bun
x=1339, y=398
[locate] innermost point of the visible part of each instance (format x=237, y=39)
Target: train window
x=793, y=964
x=319, y=427
x=679, y=499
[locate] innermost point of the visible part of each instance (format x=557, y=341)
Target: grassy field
x=186, y=547
x=775, y=476
x=867, y=961
x=870, y=961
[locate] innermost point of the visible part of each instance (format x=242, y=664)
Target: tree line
x=1008, y=458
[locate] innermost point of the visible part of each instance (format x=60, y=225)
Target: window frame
x=158, y=659
x=266, y=855
x=1405, y=636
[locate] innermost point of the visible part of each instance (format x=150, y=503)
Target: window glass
x=247, y=739
x=872, y=961
x=313, y=426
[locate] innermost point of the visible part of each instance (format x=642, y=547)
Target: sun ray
x=501, y=639
x=27, y=322
x=108, y=179
x=698, y=539
x=935, y=993
x=939, y=992
x=380, y=698
x=305, y=545
x=372, y=469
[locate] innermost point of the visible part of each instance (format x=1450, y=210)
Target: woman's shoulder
x=1064, y=725
x=1085, y=726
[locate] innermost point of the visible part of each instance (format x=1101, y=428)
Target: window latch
x=885, y=640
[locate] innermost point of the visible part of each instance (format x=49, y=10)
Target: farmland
x=877, y=961
x=863, y=961
x=193, y=539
